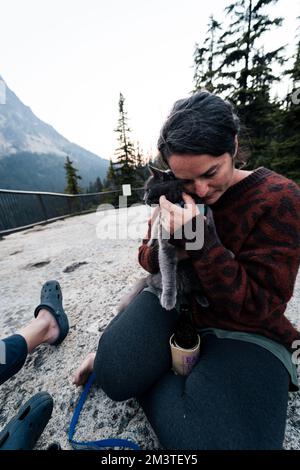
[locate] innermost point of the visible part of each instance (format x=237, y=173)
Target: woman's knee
x=134, y=349
x=107, y=370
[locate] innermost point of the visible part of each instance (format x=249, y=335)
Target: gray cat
x=174, y=276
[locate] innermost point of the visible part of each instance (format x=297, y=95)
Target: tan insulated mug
x=183, y=360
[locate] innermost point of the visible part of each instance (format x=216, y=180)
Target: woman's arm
x=148, y=256
x=259, y=281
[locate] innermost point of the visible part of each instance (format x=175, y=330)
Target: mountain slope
x=32, y=153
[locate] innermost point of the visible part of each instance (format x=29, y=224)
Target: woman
x=236, y=395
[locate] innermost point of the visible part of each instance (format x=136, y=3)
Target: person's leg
x=235, y=398
x=42, y=329
x=50, y=325
x=134, y=350
x=14, y=352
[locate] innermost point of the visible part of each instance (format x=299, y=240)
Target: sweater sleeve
x=255, y=284
x=148, y=256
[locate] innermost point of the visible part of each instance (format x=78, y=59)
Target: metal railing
x=20, y=210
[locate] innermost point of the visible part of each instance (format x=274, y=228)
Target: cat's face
x=164, y=183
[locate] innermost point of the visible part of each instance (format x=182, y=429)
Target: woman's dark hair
x=201, y=124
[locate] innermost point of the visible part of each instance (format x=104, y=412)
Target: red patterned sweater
x=258, y=219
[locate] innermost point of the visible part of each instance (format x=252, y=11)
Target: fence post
x=81, y=205
x=40, y=198
x=69, y=204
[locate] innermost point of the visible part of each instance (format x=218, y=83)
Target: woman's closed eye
x=212, y=174
x=206, y=176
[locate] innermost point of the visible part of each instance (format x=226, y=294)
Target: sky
x=68, y=60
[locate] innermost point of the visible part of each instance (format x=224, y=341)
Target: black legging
x=13, y=356
x=235, y=397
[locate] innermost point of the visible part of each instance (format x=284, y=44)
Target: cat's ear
x=159, y=174
x=170, y=174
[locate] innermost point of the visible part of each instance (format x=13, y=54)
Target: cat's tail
x=137, y=287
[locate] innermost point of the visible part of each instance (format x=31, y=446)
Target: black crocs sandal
x=51, y=300
x=24, y=429
x=54, y=446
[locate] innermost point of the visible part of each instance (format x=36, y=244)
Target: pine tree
x=138, y=156
x=287, y=146
x=124, y=166
x=205, y=57
x=98, y=185
x=242, y=60
x=90, y=188
x=72, y=178
x=95, y=187
x=111, y=181
x=140, y=174
x=294, y=72
x=246, y=72
x=237, y=67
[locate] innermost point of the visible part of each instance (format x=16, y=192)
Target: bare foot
x=52, y=331
x=42, y=329
x=84, y=370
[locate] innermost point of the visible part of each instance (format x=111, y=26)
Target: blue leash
x=93, y=445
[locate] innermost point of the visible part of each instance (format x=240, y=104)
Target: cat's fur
x=174, y=276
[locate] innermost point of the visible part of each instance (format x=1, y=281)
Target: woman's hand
x=154, y=215
x=174, y=217
x=84, y=370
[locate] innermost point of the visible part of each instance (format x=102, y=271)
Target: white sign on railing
x=126, y=189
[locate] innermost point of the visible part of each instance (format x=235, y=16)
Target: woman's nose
x=201, y=188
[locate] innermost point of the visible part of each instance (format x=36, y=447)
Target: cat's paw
x=168, y=300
